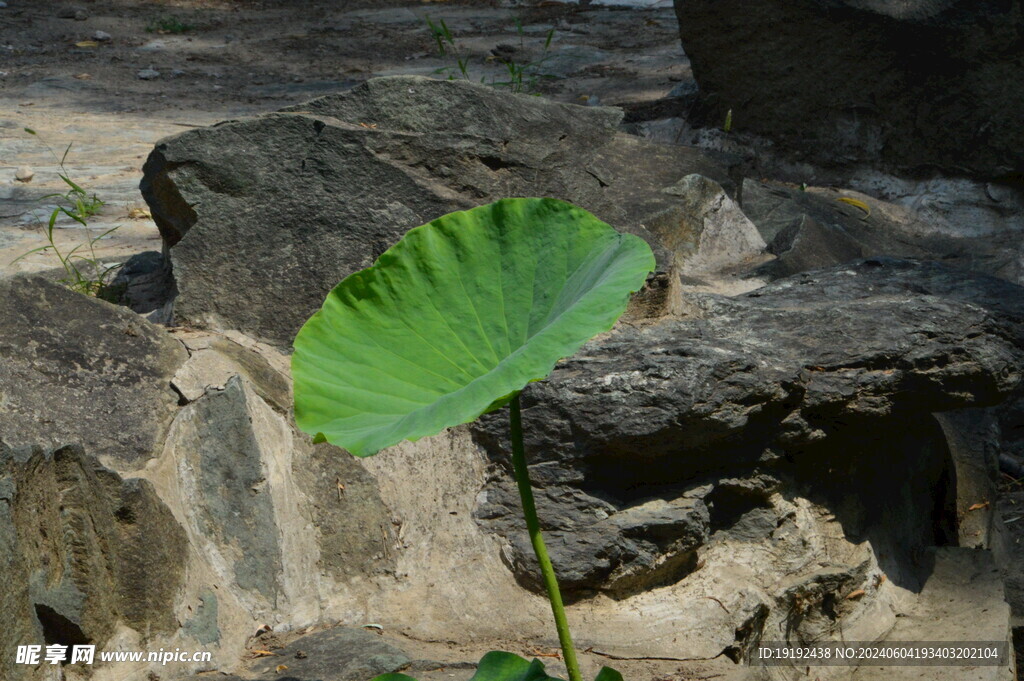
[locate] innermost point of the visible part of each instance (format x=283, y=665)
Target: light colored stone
x=24, y=174
x=712, y=242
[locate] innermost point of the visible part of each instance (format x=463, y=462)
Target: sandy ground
x=220, y=59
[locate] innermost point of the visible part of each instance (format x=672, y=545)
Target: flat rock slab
x=75, y=369
x=264, y=216
x=816, y=228
x=868, y=340
x=339, y=654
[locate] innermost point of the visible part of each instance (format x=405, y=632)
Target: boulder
x=85, y=552
x=263, y=216
x=653, y=437
x=814, y=228
x=904, y=85
x=75, y=369
x=143, y=284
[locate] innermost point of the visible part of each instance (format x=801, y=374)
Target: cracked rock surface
x=644, y=430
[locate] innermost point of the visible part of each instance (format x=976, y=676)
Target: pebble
x=24, y=174
x=101, y=36
x=76, y=13
x=153, y=46
x=148, y=74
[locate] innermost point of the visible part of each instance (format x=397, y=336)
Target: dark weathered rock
x=816, y=370
x=84, y=551
x=338, y=654
x=75, y=369
x=144, y=284
x=278, y=209
x=911, y=85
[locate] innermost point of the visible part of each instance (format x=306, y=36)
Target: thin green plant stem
x=533, y=526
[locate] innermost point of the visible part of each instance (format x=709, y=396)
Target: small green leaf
x=608, y=674
x=501, y=666
x=31, y=131
x=457, y=317
x=28, y=253
x=74, y=187
x=74, y=216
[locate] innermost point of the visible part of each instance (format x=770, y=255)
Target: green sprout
x=83, y=270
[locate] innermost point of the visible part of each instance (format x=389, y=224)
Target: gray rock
x=203, y=625
x=803, y=376
x=338, y=654
x=355, y=530
x=231, y=503
x=102, y=36
x=288, y=204
x=76, y=369
x=812, y=229
x=69, y=12
x=245, y=467
x=906, y=85
x=711, y=240
x=213, y=361
x=143, y=283
x=84, y=552
x=24, y=174
x=148, y=74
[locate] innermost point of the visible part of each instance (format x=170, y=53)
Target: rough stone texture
x=796, y=371
x=143, y=283
x=709, y=237
x=338, y=654
x=269, y=513
x=224, y=472
x=812, y=229
x=214, y=359
x=78, y=370
x=355, y=533
x=85, y=552
x=286, y=205
x=910, y=86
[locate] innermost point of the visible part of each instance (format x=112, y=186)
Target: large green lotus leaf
x=457, y=317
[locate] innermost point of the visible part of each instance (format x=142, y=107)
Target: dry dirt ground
x=220, y=59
